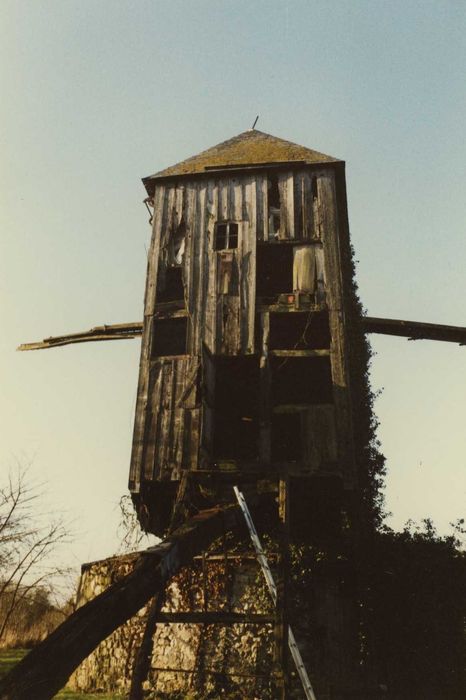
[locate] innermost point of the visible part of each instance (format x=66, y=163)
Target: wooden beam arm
x=413, y=330
x=118, y=331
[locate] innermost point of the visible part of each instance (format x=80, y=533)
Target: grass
x=10, y=657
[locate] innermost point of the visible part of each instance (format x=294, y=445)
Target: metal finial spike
x=255, y=122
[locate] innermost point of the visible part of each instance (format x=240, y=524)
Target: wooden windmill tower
x=243, y=370
x=244, y=375
x=250, y=371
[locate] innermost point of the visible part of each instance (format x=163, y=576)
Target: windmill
x=251, y=373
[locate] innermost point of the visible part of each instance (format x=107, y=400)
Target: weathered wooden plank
x=191, y=439
x=153, y=257
x=166, y=232
x=307, y=206
x=248, y=269
x=223, y=200
x=179, y=424
x=118, y=331
x=227, y=272
x=316, y=204
x=208, y=404
x=162, y=464
x=234, y=200
x=150, y=423
x=238, y=212
x=335, y=302
x=262, y=217
x=287, y=217
x=298, y=198
x=281, y=628
x=228, y=324
x=320, y=444
x=200, y=266
x=210, y=297
x=179, y=205
x=192, y=263
x=265, y=429
x=141, y=408
x=414, y=330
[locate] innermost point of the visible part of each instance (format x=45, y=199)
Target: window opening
x=173, y=289
x=178, y=245
x=301, y=380
x=286, y=437
x=274, y=273
x=274, y=206
x=236, y=408
x=314, y=188
x=169, y=336
x=226, y=235
x=299, y=331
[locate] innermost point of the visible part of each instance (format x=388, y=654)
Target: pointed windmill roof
x=247, y=149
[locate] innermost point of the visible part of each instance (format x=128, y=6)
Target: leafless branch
x=28, y=542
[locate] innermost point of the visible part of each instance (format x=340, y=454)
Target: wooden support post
x=142, y=661
x=265, y=380
x=281, y=626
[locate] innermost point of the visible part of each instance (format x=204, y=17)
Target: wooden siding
x=172, y=418
x=219, y=288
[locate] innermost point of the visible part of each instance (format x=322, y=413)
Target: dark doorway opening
x=236, y=408
x=274, y=274
x=169, y=336
x=286, y=437
x=299, y=331
x=301, y=380
x=173, y=289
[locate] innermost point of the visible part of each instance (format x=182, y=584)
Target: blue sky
x=97, y=95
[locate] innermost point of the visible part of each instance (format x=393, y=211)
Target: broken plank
x=119, y=331
x=414, y=330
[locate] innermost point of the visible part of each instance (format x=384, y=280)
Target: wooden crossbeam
x=413, y=330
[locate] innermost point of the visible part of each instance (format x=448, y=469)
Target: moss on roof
x=248, y=148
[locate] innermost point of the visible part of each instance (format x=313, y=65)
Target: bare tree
x=29, y=539
x=132, y=537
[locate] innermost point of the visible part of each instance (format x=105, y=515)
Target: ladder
x=264, y=564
